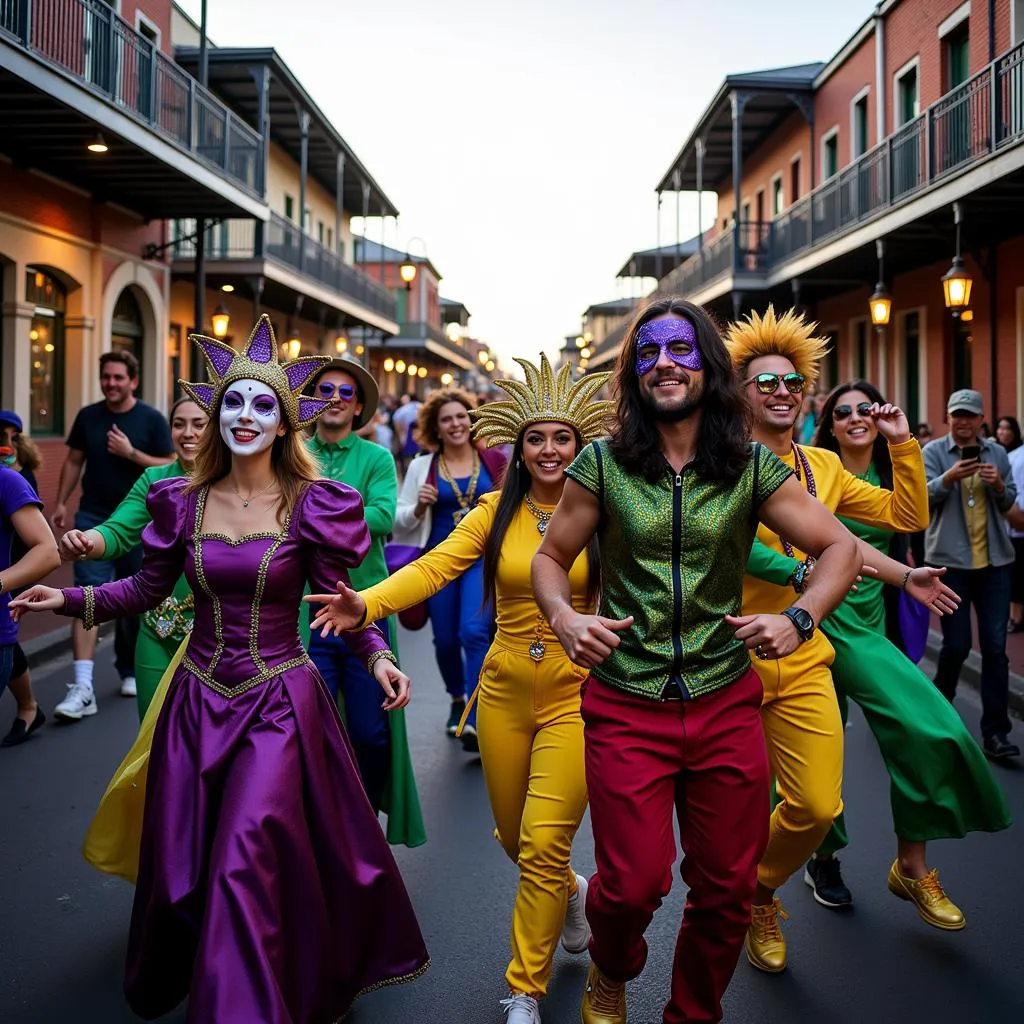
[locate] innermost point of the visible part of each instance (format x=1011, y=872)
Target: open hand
x=75, y=545
x=925, y=587
x=589, y=639
x=340, y=613
x=768, y=636
x=37, y=599
x=394, y=682
x=891, y=422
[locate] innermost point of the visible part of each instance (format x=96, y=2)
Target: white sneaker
x=520, y=1009
x=576, y=930
x=128, y=686
x=79, y=703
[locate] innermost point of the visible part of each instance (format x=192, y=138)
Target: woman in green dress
x=162, y=629
x=941, y=785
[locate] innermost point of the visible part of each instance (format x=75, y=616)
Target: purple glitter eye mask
x=676, y=338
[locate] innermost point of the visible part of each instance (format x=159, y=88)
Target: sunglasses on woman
x=844, y=412
x=768, y=383
x=346, y=392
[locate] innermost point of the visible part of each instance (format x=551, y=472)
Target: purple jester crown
x=258, y=361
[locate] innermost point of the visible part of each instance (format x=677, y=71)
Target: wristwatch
x=803, y=622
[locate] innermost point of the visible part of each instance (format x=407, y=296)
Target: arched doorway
x=50, y=299
x=127, y=333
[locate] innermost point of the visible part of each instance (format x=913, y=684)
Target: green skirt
x=941, y=784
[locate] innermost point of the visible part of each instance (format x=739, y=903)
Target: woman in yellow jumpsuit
x=528, y=719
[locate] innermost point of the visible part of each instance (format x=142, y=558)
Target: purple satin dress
x=267, y=892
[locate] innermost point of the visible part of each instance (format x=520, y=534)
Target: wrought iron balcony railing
x=973, y=121
x=282, y=241
x=90, y=41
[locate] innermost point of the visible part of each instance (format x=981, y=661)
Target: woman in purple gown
x=266, y=889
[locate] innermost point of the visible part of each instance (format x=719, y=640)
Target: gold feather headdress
x=544, y=398
x=791, y=336
x=258, y=361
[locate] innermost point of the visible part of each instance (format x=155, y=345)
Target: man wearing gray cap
x=970, y=486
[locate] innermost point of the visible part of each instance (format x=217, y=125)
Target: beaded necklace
x=812, y=490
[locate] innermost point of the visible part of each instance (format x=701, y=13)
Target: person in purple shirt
x=21, y=519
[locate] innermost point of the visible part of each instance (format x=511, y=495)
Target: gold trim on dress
x=270, y=672
x=89, y=607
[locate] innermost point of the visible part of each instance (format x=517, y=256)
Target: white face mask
x=250, y=415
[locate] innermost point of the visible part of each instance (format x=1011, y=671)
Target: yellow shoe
x=927, y=894
x=765, y=943
x=604, y=1000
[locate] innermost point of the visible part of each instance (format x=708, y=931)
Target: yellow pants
x=804, y=735
x=531, y=747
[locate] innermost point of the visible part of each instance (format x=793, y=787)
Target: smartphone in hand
x=971, y=451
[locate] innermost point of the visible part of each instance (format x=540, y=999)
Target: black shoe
x=1015, y=626
x=999, y=748
x=20, y=732
x=455, y=716
x=470, y=742
x=825, y=878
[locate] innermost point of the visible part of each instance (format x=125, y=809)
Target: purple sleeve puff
x=334, y=539
x=163, y=558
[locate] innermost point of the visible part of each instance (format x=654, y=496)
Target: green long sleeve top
x=369, y=469
x=122, y=532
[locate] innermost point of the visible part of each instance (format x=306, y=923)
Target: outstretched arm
x=790, y=511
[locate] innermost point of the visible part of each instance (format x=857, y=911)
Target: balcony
x=976, y=122
x=244, y=245
x=62, y=58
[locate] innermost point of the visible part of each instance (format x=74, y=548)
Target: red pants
x=707, y=758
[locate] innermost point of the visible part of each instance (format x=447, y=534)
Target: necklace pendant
x=542, y=526
x=970, y=501
x=245, y=504
x=457, y=517
x=537, y=650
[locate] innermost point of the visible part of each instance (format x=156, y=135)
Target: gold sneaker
x=604, y=1000
x=931, y=901
x=765, y=943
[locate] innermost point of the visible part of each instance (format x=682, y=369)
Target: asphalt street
x=63, y=926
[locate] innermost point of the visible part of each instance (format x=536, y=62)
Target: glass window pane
x=47, y=387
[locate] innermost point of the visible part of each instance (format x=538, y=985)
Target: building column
x=16, y=358
x=701, y=147
x=739, y=101
x=80, y=351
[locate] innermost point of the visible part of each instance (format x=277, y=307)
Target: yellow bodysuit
x=528, y=720
x=802, y=727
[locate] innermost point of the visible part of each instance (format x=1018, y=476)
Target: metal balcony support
x=701, y=149
x=25, y=22
x=339, y=200
x=304, y=120
x=738, y=100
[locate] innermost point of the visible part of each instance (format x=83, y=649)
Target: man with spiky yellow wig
x=529, y=725
x=777, y=359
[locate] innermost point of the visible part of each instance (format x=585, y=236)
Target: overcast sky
x=522, y=141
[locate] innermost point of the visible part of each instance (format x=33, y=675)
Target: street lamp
x=412, y=369
x=407, y=271
x=389, y=364
x=446, y=379
x=294, y=348
x=421, y=373
x=400, y=366
x=581, y=341
x=880, y=303
x=341, y=345
x=220, y=321
x=956, y=283
x=490, y=366
x=482, y=357
x=584, y=353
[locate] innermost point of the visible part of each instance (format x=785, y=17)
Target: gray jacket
x=946, y=542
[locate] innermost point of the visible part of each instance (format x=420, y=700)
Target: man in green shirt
x=671, y=710
x=378, y=739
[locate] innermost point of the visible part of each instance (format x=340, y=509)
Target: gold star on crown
x=544, y=398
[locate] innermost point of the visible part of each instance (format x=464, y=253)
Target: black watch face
x=803, y=620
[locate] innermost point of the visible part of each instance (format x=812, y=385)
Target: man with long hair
x=671, y=708
x=776, y=359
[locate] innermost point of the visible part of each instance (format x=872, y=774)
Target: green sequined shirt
x=673, y=555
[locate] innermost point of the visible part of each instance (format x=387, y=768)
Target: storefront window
x=126, y=332
x=46, y=336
